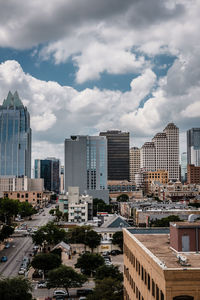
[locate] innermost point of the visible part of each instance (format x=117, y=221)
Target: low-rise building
x=193, y=174
x=162, y=266
x=80, y=207
x=37, y=199
x=12, y=183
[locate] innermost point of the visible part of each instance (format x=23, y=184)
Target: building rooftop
x=158, y=245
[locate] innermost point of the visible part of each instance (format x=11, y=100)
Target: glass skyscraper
x=15, y=138
x=193, y=147
x=86, y=165
x=49, y=170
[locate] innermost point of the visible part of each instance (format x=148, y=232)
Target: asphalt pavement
x=21, y=246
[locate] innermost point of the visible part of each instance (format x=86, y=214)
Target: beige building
x=79, y=206
x=134, y=162
x=37, y=198
x=162, y=152
x=11, y=183
x=155, y=267
x=160, y=176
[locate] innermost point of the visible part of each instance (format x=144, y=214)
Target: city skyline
x=114, y=65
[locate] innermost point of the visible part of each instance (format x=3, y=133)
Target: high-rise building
x=86, y=165
x=162, y=152
x=184, y=167
x=62, y=189
x=172, y=134
x=193, y=174
x=118, y=154
x=134, y=162
x=193, y=147
x=49, y=170
x=148, y=157
x=15, y=138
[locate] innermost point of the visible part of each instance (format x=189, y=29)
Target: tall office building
x=163, y=152
x=49, y=170
x=134, y=162
x=118, y=154
x=148, y=157
x=15, y=137
x=184, y=167
x=86, y=165
x=193, y=147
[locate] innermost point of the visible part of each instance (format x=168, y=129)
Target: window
x=26, y=195
x=148, y=282
x=153, y=288
x=162, y=296
x=157, y=293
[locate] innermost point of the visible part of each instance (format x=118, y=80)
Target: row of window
x=145, y=277
x=134, y=287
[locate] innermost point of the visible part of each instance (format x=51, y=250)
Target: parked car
x=42, y=284
x=4, y=258
x=21, y=271
x=7, y=245
x=105, y=253
x=107, y=258
x=59, y=293
x=115, y=252
x=84, y=292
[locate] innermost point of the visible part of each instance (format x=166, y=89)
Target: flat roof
x=158, y=245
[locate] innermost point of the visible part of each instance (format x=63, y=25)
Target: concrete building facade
x=11, y=184
x=193, y=174
x=86, y=165
x=154, y=270
x=162, y=152
x=134, y=162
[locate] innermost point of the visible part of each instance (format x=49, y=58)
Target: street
x=21, y=246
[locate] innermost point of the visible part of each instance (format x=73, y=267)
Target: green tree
x=15, y=288
x=164, y=222
x=26, y=209
x=8, y=209
x=65, y=277
x=52, y=212
x=46, y=261
x=77, y=234
x=5, y=232
x=49, y=234
x=89, y=262
x=108, y=271
x=92, y=239
x=118, y=239
x=107, y=289
x=100, y=206
x=123, y=198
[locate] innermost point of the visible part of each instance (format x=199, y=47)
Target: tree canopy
x=16, y=288
x=92, y=239
x=107, y=289
x=108, y=271
x=164, y=222
x=65, y=277
x=10, y=208
x=101, y=206
x=5, y=232
x=46, y=261
x=123, y=198
x=118, y=239
x=89, y=262
x=49, y=234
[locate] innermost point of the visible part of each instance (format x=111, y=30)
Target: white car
x=59, y=293
x=21, y=271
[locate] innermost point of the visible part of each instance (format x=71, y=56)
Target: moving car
x=7, y=245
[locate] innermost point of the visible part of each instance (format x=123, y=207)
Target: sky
x=85, y=66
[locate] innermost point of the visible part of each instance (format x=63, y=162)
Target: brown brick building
x=155, y=267
x=193, y=174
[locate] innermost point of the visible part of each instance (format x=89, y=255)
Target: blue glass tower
x=15, y=138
